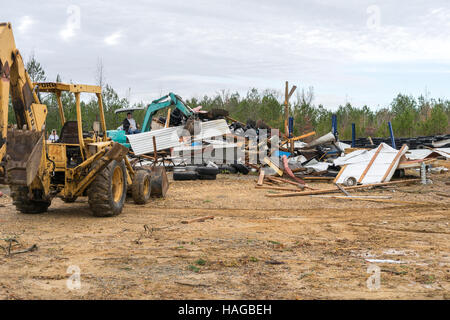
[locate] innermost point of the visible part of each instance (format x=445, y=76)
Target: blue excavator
x=180, y=113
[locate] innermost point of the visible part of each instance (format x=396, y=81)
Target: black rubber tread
x=24, y=204
x=69, y=200
x=100, y=194
x=207, y=177
x=137, y=187
x=184, y=175
x=241, y=168
x=207, y=170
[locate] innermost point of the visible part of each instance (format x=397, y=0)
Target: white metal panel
x=417, y=154
x=212, y=128
x=353, y=157
x=142, y=143
x=355, y=166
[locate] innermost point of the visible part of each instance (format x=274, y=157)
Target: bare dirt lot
x=254, y=248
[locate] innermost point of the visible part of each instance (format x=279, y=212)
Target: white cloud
x=25, y=23
x=113, y=38
x=67, y=33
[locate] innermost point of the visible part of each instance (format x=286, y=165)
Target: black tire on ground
x=24, y=204
x=207, y=171
x=185, y=175
x=140, y=188
x=69, y=200
x=241, y=168
x=107, y=198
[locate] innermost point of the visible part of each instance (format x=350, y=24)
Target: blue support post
x=291, y=126
x=392, y=135
x=334, y=129
x=353, y=135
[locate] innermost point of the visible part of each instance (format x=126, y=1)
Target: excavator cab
x=177, y=113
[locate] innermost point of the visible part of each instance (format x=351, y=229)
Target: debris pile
x=202, y=147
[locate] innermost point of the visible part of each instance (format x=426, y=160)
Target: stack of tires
x=194, y=173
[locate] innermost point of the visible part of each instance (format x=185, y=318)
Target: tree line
x=410, y=116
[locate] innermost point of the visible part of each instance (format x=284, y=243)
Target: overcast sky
x=363, y=52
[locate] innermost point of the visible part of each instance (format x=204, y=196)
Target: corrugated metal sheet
x=142, y=143
x=212, y=128
x=428, y=153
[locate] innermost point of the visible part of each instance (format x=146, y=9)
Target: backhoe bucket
x=24, y=153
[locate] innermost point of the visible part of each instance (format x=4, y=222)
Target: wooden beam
x=261, y=178
x=384, y=200
x=397, y=157
x=278, y=188
x=370, y=163
x=334, y=190
x=168, y=118
x=273, y=166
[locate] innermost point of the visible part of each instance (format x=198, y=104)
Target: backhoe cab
x=78, y=164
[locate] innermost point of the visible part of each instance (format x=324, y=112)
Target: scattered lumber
x=318, y=178
x=273, y=166
x=278, y=188
x=334, y=190
x=342, y=189
x=283, y=180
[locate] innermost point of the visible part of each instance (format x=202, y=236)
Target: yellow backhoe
x=78, y=164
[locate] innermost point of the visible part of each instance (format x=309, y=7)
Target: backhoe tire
x=107, y=193
x=141, y=187
x=24, y=204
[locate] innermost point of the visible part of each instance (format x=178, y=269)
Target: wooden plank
x=342, y=189
x=397, y=157
x=299, y=137
x=334, y=190
x=384, y=200
x=284, y=180
x=261, y=178
x=318, y=178
x=273, y=166
x=168, y=118
x=340, y=173
x=370, y=163
x=278, y=188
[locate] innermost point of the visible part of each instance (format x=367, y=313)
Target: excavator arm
x=169, y=100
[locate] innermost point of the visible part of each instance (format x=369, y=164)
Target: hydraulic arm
x=169, y=100
x=14, y=81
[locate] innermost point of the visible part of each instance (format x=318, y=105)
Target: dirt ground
x=255, y=247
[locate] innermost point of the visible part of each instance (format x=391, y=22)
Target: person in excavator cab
x=129, y=124
x=53, y=137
